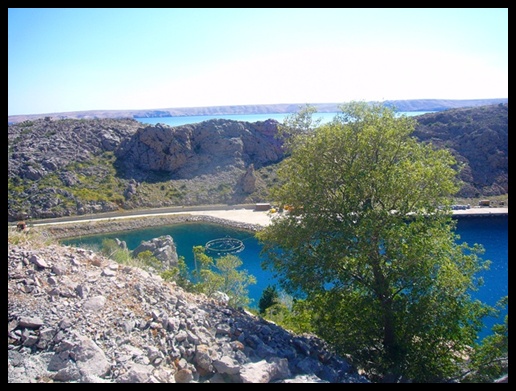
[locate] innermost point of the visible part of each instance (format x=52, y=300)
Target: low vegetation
x=210, y=276
x=489, y=362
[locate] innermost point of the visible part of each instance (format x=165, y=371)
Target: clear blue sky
x=75, y=59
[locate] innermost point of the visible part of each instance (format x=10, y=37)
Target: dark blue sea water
x=490, y=232
x=177, y=121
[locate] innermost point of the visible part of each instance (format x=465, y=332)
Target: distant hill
x=400, y=105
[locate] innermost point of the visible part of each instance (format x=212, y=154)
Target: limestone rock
x=135, y=327
x=163, y=248
x=208, y=147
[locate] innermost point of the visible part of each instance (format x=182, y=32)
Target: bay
x=188, y=235
x=491, y=232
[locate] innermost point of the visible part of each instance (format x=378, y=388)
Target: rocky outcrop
x=206, y=148
x=162, y=248
x=51, y=163
x=77, y=317
x=479, y=139
x=74, y=167
x=38, y=148
x=248, y=180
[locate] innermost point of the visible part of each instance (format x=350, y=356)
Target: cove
x=186, y=236
x=491, y=232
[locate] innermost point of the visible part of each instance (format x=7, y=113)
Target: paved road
x=202, y=209
x=481, y=212
x=245, y=213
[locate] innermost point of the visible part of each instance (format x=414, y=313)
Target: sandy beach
x=248, y=216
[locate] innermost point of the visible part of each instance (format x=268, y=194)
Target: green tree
x=291, y=314
x=150, y=261
x=179, y=274
x=201, y=262
x=235, y=282
x=269, y=297
x=298, y=124
x=490, y=359
x=111, y=249
x=222, y=275
x=369, y=240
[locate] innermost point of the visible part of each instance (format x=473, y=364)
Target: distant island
x=399, y=105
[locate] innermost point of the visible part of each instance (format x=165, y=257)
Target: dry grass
x=37, y=237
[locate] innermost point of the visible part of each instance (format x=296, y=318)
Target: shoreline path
x=239, y=213
x=244, y=213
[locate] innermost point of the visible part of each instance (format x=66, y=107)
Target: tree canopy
x=221, y=274
x=369, y=241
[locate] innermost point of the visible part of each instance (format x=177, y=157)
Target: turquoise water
x=188, y=235
x=491, y=232
x=177, y=121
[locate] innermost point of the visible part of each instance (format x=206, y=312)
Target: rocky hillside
x=75, y=167
x=68, y=167
x=479, y=139
x=77, y=317
x=210, y=147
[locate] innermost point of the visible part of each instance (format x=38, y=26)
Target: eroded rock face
x=248, y=180
x=204, y=148
x=52, y=151
x=42, y=147
x=74, y=167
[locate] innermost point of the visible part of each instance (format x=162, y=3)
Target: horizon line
x=241, y=106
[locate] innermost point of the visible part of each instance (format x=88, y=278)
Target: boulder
x=162, y=248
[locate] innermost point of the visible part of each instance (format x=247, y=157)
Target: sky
x=79, y=59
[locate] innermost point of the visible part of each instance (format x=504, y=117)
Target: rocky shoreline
x=98, y=227
x=75, y=316
x=76, y=229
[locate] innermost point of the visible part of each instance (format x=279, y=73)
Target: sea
x=183, y=120
x=491, y=232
